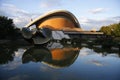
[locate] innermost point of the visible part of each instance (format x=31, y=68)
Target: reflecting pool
x=57, y=61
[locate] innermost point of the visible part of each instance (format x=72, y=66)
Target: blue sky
x=90, y=13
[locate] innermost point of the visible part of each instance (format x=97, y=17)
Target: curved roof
x=52, y=14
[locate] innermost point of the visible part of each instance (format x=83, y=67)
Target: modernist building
x=62, y=24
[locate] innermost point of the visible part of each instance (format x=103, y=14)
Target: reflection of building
x=36, y=54
x=62, y=57
x=55, y=58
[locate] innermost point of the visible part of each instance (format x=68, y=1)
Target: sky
x=91, y=14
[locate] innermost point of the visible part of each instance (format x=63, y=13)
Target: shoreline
x=14, y=42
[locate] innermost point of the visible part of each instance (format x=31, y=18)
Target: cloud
x=11, y=10
x=97, y=10
x=88, y=24
x=22, y=17
x=19, y=16
x=50, y=3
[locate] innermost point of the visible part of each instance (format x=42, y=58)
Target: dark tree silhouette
x=8, y=29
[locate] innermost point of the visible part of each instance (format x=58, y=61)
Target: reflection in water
x=62, y=57
x=36, y=54
x=7, y=54
x=57, y=57
x=93, y=62
x=105, y=51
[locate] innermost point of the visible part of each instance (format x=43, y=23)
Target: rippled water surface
x=59, y=62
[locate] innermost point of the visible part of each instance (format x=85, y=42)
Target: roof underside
x=56, y=17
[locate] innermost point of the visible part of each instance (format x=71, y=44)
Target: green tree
x=113, y=29
x=116, y=31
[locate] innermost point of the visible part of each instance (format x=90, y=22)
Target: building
x=62, y=23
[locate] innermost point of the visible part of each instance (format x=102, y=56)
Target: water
x=59, y=62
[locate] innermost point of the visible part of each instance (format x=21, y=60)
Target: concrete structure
x=56, y=20
x=84, y=34
x=61, y=21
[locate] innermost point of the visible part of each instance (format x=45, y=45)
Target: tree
x=7, y=28
x=113, y=29
x=116, y=31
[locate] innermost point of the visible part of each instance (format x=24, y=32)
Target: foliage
x=113, y=29
x=8, y=29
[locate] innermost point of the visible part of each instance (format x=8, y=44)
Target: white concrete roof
x=52, y=13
